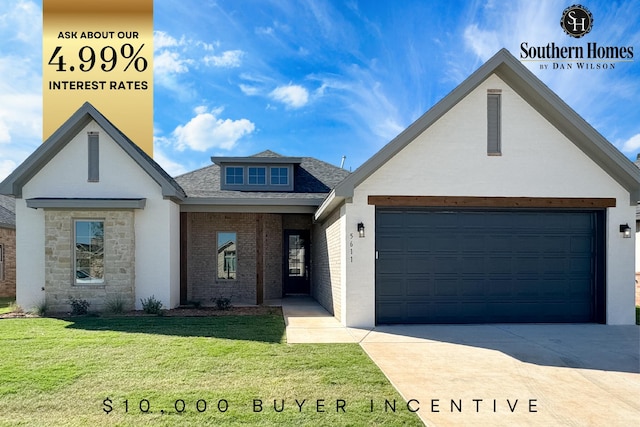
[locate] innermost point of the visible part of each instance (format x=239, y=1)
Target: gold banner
x=100, y=52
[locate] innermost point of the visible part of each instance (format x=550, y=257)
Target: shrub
x=223, y=303
x=41, y=308
x=79, y=307
x=151, y=305
x=638, y=315
x=115, y=304
x=15, y=308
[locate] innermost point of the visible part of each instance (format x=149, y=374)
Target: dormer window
x=257, y=176
x=279, y=176
x=234, y=175
x=258, y=173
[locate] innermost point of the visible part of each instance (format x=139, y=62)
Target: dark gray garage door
x=462, y=266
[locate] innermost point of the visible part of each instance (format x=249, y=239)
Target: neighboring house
x=500, y=204
x=637, y=163
x=7, y=246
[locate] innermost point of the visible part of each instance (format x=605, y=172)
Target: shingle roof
x=7, y=212
x=313, y=179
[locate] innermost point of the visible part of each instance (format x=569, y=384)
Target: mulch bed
x=177, y=312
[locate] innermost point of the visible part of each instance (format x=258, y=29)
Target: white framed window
x=227, y=256
x=234, y=175
x=88, y=251
x=257, y=175
x=279, y=176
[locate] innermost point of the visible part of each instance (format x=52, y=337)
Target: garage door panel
x=392, y=264
x=485, y=266
x=391, y=286
x=498, y=265
x=581, y=244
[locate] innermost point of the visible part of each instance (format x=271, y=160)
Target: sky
x=321, y=78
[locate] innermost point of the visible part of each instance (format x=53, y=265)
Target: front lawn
x=184, y=371
x=6, y=304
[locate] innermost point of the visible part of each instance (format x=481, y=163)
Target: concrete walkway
x=498, y=375
x=308, y=322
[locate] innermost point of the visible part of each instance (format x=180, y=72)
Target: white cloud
x=4, y=133
x=20, y=82
x=632, y=144
x=371, y=110
x=206, y=131
x=228, y=59
x=19, y=23
x=170, y=63
x=483, y=43
x=249, y=90
x=163, y=40
x=172, y=167
x=267, y=31
x=293, y=96
x=6, y=167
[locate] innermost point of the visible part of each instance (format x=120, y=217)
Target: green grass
x=6, y=304
x=58, y=372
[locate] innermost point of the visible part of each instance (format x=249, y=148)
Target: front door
x=296, y=262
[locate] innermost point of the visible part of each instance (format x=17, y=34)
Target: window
x=235, y=175
x=279, y=176
x=89, y=252
x=493, y=122
x=94, y=157
x=257, y=176
x=227, y=255
x=1, y=262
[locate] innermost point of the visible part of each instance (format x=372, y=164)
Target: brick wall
x=327, y=263
x=203, y=285
x=119, y=259
x=8, y=276
x=272, y=238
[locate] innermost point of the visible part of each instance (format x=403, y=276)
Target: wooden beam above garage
x=494, y=202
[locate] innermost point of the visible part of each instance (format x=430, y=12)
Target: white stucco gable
x=548, y=153
x=55, y=178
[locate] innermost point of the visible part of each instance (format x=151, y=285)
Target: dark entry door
x=296, y=262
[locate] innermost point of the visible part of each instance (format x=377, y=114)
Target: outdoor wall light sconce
x=625, y=230
x=360, y=229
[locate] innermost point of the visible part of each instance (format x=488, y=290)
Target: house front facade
x=500, y=204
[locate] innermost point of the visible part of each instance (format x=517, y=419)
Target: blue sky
x=323, y=78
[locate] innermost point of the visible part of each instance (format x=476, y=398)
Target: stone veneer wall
x=119, y=259
x=8, y=280
x=327, y=263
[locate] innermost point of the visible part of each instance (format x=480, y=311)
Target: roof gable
x=534, y=92
x=13, y=184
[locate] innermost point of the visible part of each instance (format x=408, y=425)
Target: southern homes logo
x=576, y=21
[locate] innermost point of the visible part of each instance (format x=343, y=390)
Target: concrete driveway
x=492, y=375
